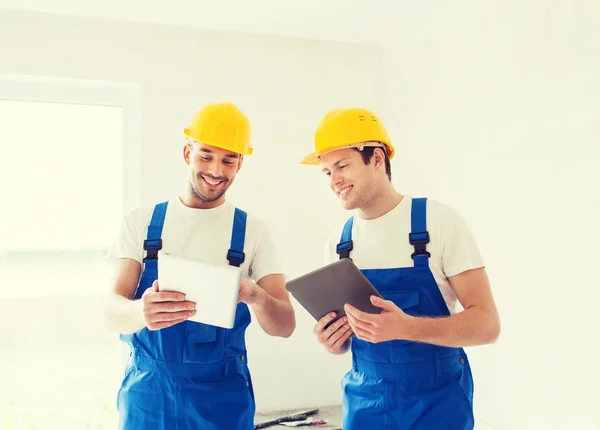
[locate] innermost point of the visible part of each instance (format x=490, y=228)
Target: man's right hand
x=334, y=337
x=163, y=309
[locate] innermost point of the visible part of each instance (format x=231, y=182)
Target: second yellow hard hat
x=345, y=128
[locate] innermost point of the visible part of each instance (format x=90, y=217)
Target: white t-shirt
x=382, y=243
x=198, y=234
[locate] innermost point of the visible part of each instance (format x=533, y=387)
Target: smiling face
x=212, y=171
x=354, y=182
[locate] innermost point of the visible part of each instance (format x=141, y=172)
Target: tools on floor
x=296, y=419
x=307, y=422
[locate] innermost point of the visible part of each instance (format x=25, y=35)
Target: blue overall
x=190, y=375
x=401, y=384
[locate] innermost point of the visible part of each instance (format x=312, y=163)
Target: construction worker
x=409, y=369
x=184, y=374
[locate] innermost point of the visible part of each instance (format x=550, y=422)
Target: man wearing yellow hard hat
x=409, y=369
x=184, y=374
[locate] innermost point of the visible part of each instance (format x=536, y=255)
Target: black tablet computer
x=329, y=288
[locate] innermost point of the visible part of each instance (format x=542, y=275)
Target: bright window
x=61, y=175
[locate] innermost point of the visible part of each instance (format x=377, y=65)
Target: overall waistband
x=232, y=363
x=441, y=362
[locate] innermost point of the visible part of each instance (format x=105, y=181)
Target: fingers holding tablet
x=333, y=336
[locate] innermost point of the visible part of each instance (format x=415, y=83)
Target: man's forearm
x=276, y=317
x=474, y=326
x=123, y=315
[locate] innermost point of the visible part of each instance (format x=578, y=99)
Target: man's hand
x=250, y=293
x=391, y=324
x=163, y=309
x=334, y=337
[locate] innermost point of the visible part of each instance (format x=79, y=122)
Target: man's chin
x=348, y=205
x=210, y=196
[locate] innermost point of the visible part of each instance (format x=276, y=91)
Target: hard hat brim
x=312, y=159
x=187, y=134
x=315, y=157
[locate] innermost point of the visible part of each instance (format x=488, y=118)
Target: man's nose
x=215, y=168
x=335, y=180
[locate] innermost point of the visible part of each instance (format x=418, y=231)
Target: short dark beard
x=198, y=195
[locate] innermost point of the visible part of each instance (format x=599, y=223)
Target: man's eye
x=343, y=166
x=228, y=163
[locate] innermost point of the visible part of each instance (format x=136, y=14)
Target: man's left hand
x=391, y=324
x=250, y=292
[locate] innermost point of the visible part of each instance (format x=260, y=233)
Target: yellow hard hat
x=347, y=128
x=222, y=125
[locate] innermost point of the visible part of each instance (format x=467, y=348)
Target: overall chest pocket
x=204, y=343
x=201, y=333
x=407, y=300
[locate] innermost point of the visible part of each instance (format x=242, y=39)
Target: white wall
x=495, y=108
x=284, y=85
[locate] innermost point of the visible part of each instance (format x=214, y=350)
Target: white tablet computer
x=214, y=289
x=329, y=288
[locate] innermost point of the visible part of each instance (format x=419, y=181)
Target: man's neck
x=381, y=204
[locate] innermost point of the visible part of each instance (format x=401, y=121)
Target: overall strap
x=236, y=255
x=419, y=236
x=345, y=245
x=153, y=242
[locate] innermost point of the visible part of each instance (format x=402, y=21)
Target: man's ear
x=379, y=157
x=187, y=153
x=241, y=161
